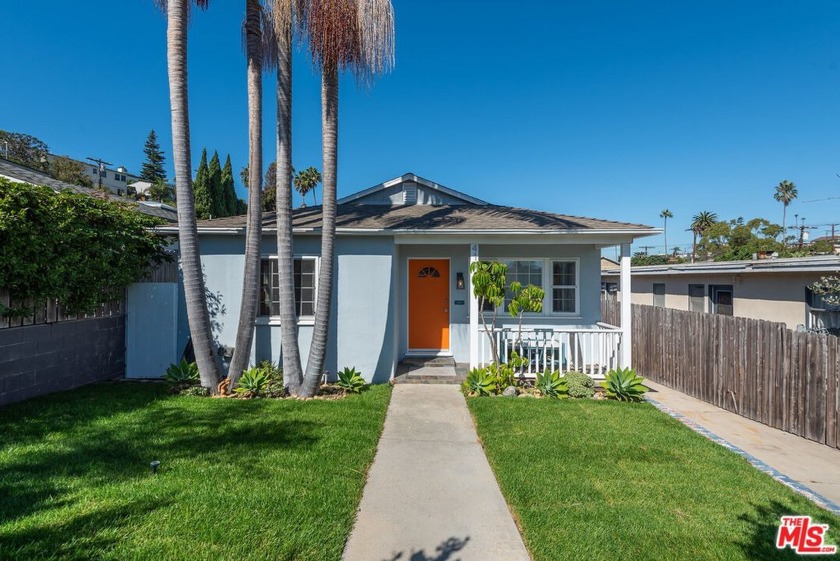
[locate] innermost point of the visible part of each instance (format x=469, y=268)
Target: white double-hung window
x=559, y=278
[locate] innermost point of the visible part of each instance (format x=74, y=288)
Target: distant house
x=770, y=289
x=114, y=180
x=402, y=285
x=23, y=174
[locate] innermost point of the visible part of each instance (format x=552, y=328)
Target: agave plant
x=624, y=384
x=253, y=382
x=551, y=384
x=480, y=382
x=350, y=380
x=182, y=373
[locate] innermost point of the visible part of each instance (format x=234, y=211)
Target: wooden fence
x=51, y=310
x=758, y=369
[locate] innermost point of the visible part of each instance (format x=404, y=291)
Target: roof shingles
x=428, y=217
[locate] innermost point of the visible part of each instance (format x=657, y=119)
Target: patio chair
x=546, y=354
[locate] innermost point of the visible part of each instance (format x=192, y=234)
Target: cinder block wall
x=41, y=359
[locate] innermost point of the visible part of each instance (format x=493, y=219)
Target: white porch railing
x=593, y=351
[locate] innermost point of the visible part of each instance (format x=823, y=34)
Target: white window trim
x=301, y=320
x=548, y=286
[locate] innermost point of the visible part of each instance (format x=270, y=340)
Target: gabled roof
x=410, y=177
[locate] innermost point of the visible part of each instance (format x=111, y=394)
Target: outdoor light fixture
x=154, y=466
x=459, y=281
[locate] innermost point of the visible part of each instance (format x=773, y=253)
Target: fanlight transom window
x=428, y=272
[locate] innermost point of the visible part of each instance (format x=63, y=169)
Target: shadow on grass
x=91, y=454
x=33, y=419
x=78, y=538
x=443, y=552
x=763, y=525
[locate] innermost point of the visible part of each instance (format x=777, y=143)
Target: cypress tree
x=228, y=188
x=153, y=168
x=218, y=208
x=201, y=188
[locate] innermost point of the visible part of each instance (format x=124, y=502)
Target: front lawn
x=607, y=480
x=255, y=479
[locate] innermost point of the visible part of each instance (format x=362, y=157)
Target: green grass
x=607, y=480
x=257, y=479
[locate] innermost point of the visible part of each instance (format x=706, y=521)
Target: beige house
x=771, y=289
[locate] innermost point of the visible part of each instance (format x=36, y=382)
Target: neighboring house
x=23, y=174
x=609, y=290
x=770, y=289
x=115, y=180
x=402, y=283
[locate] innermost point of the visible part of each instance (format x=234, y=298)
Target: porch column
x=473, y=311
x=626, y=310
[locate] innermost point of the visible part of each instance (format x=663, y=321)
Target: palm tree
x=198, y=316
x=785, y=193
x=257, y=50
x=286, y=16
x=343, y=34
x=699, y=224
x=305, y=181
x=666, y=214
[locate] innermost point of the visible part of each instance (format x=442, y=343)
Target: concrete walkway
x=431, y=495
x=812, y=465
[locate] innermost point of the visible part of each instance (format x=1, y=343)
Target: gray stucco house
x=402, y=286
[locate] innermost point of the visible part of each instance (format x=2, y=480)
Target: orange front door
x=428, y=304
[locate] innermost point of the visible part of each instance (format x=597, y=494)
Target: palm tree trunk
x=314, y=198
x=694, y=248
x=198, y=315
x=292, y=370
x=253, y=237
x=784, y=230
x=665, y=234
x=329, y=124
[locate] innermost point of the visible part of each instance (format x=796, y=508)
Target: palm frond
x=376, y=38
x=331, y=28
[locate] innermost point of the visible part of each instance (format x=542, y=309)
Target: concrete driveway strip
x=431, y=494
x=813, y=465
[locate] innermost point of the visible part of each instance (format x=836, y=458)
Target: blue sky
x=607, y=109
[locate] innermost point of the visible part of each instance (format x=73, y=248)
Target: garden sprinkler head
x=154, y=466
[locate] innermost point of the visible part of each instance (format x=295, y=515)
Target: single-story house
x=769, y=289
x=402, y=284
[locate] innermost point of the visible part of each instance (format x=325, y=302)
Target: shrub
x=275, y=388
x=78, y=249
x=195, y=391
x=273, y=370
x=480, y=381
x=579, y=385
x=182, y=373
x=624, y=384
x=551, y=384
x=253, y=382
x=350, y=380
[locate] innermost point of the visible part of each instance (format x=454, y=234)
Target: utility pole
x=646, y=248
x=100, y=163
